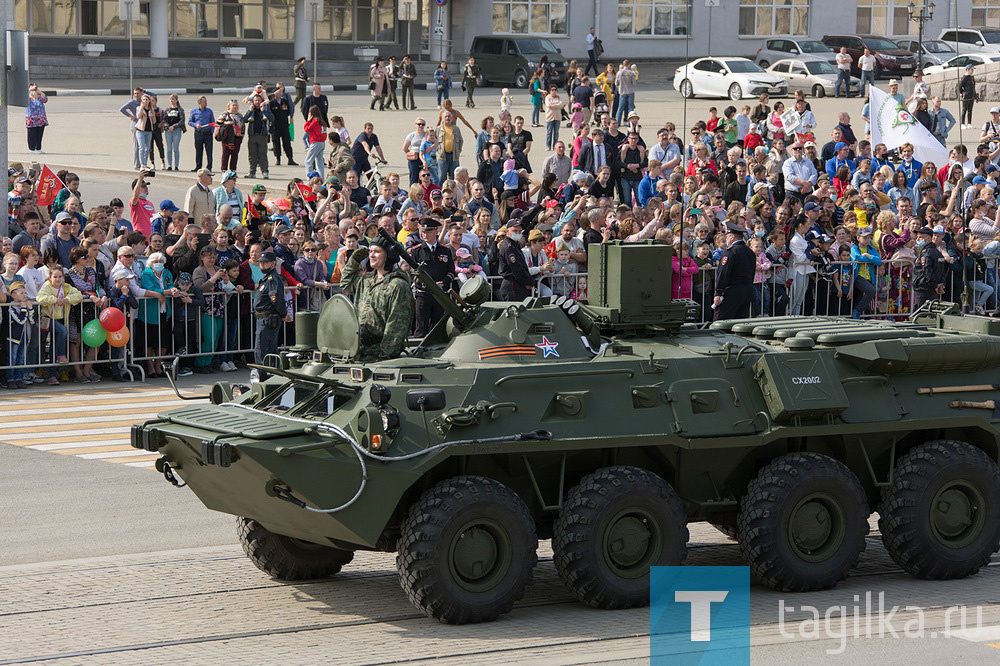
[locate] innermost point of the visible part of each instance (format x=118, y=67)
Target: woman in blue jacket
x=154, y=315
x=442, y=81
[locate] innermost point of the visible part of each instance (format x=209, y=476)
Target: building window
x=20, y=14
x=986, y=13
x=195, y=19
x=761, y=18
x=376, y=21
x=242, y=20
x=873, y=17
x=546, y=17
x=653, y=17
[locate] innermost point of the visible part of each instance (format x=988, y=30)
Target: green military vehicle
x=607, y=427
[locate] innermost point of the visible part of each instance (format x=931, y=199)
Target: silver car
x=817, y=77
x=936, y=52
x=779, y=49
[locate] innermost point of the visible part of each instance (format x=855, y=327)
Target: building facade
x=643, y=29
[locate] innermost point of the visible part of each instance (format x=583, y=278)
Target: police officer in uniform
x=517, y=282
x=734, y=280
x=439, y=263
x=269, y=309
x=929, y=273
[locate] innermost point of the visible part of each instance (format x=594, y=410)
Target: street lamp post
x=921, y=15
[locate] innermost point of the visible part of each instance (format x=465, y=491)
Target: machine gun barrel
x=459, y=315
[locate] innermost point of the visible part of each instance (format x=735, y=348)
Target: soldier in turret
x=382, y=298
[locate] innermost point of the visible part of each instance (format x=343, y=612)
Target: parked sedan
x=779, y=49
x=734, y=78
x=936, y=52
x=814, y=76
x=959, y=63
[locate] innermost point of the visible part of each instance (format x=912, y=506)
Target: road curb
x=227, y=90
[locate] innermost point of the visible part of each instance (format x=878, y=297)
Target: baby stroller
x=600, y=107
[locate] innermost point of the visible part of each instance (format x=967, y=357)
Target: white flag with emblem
x=893, y=125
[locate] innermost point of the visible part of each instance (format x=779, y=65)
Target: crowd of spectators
x=832, y=223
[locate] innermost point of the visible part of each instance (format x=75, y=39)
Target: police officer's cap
x=391, y=253
x=736, y=229
x=429, y=223
x=268, y=255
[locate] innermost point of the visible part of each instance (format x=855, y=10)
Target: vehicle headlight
x=532, y=64
x=888, y=57
x=390, y=421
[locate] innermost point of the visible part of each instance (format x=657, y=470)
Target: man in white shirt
x=867, y=65
x=920, y=91
x=666, y=151
x=844, y=61
x=800, y=173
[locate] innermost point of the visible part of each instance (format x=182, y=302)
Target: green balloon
x=94, y=334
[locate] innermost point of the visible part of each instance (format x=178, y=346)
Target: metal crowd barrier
x=47, y=348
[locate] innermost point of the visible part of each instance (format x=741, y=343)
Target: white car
x=734, y=78
x=817, y=77
x=973, y=40
x=959, y=62
x=935, y=52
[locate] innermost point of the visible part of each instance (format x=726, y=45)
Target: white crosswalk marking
x=91, y=424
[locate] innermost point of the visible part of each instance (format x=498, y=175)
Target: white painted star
x=548, y=348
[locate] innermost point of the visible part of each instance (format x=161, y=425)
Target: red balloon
x=118, y=338
x=112, y=319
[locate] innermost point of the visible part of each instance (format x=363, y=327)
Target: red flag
x=48, y=186
x=306, y=192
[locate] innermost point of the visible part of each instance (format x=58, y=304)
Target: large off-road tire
x=940, y=516
x=285, y=558
x=466, y=550
x=802, y=522
x=617, y=523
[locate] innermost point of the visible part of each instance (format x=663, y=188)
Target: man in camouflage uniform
x=382, y=298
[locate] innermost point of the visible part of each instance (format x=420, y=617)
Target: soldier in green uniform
x=269, y=310
x=382, y=298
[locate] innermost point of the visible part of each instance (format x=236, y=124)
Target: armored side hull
x=786, y=433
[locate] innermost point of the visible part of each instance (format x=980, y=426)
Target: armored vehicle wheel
x=940, y=517
x=802, y=522
x=614, y=526
x=466, y=550
x=285, y=558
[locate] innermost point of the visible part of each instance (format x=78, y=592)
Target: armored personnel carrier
x=607, y=427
